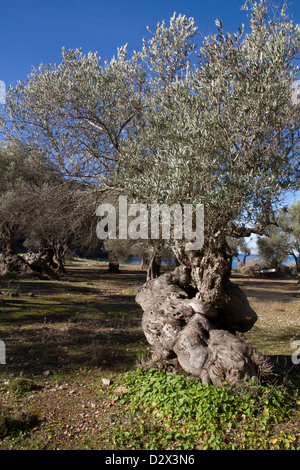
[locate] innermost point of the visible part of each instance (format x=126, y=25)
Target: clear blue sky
x=34, y=31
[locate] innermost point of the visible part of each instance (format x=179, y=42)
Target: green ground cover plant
x=192, y=415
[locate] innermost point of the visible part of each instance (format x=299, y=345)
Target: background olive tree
x=238, y=248
x=39, y=207
x=23, y=175
x=282, y=240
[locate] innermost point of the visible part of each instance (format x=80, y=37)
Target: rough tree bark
x=43, y=264
x=193, y=313
x=13, y=263
x=60, y=251
x=10, y=260
x=297, y=263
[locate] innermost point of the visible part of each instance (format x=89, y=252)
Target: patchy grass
x=64, y=337
x=277, y=304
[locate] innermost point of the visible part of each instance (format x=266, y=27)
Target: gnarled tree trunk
x=60, y=251
x=193, y=314
x=13, y=263
x=10, y=260
x=42, y=263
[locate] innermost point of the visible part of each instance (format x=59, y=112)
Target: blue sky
x=34, y=31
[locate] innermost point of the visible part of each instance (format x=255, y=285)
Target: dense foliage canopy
x=177, y=122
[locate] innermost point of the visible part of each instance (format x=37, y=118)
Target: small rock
x=106, y=381
x=121, y=389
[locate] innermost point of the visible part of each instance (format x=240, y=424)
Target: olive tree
x=239, y=246
x=213, y=124
x=272, y=247
x=289, y=223
x=23, y=175
x=61, y=219
x=283, y=239
x=225, y=134
x=39, y=206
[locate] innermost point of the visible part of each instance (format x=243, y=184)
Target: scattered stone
x=121, y=389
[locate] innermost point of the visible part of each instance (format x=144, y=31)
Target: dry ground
x=70, y=338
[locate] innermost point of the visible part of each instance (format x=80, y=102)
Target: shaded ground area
x=90, y=318
x=75, y=338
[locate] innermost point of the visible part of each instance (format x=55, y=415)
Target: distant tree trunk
x=193, y=314
x=153, y=269
x=144, y=262
x=113, y=263
x=297, y=262
x=245, y=257
x=42, y=263
x=11, y=261
x=60, y=251
x=8, y=238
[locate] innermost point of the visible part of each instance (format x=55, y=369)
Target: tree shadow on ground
x=285, y=367
x=65, y=326
x=89, y=342
x=80, y=274
x=269, y=290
